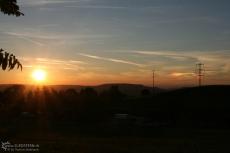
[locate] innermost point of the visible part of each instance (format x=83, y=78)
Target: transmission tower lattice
x=200, y=73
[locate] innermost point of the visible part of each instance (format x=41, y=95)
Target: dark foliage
x=184, y=115
x=145, y=92
x=9, y=61
x=10, y=7
x=189, y=107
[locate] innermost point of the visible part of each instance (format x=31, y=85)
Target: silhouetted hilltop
x=128, y=89
x=204, y=89
x=133, y=90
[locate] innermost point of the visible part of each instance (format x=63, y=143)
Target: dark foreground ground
x=166, y=140
x=190, y=120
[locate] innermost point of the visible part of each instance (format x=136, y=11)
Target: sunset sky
x=90, y=42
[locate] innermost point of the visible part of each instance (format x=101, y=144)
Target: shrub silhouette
x=145, y=92
x=88, y=93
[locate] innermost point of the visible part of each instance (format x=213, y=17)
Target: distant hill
x=133, y=90
x=128, y=89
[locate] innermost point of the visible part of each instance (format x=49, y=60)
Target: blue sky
x=102, y=41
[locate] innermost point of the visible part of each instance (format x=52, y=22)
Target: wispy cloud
x=45, y=2
x=96, y=7
x=182, y=74
x=199, y=56
x=48, y=25
x=31, y=35
x=215, y=61
x=53, y=63
x=170, y=54
x=112, y=60
x=32, y=41
x=25, y=37
x=50, y=36
x=50, y=61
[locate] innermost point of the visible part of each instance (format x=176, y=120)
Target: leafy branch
x=9, y=61
x=10, y=7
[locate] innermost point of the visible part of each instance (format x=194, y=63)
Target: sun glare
x=39, y=75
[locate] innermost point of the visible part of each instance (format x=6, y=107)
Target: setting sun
x=39, y=75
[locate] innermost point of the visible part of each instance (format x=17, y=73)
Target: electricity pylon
x=200, y=73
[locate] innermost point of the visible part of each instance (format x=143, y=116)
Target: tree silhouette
x=10, y=7
x=88, y=93
x=145, y=92
x=8, y=60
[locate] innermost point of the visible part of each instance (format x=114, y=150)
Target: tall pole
x=153, y=82
x=200, y=74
